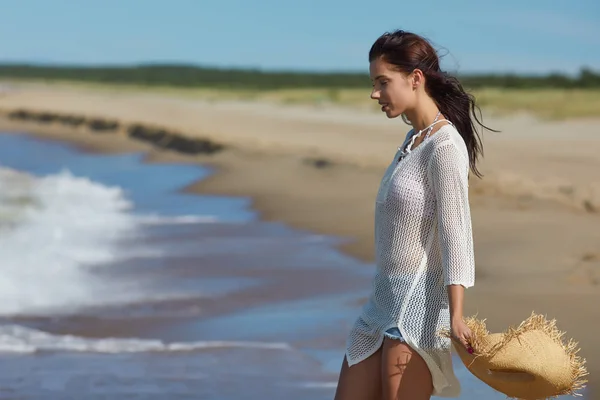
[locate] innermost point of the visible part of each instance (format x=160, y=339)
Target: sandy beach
x=536, y=212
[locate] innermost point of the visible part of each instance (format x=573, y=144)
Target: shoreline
x=233, y=163
x=526, y=257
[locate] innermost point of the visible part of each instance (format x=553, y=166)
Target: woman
x=423, y=240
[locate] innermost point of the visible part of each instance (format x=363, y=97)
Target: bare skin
x=395, y=371
x=404, y=373
x=362, y=381
x=459, y=330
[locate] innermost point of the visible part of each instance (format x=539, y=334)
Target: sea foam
x=55, y=231
x=20, y=339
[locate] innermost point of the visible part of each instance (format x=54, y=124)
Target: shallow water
x=117, y=285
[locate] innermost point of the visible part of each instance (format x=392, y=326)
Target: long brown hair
x=408, y=51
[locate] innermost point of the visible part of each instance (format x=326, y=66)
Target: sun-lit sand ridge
x=536, y=212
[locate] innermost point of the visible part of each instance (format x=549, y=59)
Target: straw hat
x=530, y=362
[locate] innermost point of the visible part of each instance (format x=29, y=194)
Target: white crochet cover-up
x=423, y=242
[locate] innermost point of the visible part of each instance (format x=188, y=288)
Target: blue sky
x=507, y=35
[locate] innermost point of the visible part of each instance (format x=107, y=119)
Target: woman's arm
x=458, y=329
x=448, y=171
x=449, y=174
x=456, y=295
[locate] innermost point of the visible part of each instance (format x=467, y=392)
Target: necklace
x=408, y=148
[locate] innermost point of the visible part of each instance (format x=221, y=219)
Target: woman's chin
x=392, y=114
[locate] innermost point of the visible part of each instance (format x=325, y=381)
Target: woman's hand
x=458, y=329
x=461, y=333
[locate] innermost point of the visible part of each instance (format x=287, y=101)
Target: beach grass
x=553, y=104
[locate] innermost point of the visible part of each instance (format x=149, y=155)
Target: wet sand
x=536, y=213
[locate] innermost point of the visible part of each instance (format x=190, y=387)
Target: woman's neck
x=423, y=116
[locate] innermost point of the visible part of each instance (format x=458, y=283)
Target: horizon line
x=269, y=70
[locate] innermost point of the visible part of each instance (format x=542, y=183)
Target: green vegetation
x=552, y=96
x=552, y=104
x=191, y=76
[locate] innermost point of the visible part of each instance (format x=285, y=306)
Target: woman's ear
x=418, y=78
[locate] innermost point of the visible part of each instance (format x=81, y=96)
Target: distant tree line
x=192, y=76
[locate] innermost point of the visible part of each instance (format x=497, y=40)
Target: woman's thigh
x=404, y=373
x=362, y=381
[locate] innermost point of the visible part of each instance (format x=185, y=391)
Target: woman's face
x=392, y=89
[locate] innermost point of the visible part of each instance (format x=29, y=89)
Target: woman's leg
x=404, y=374
x=362, y=381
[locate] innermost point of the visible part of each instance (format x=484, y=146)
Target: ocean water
x=115, y=284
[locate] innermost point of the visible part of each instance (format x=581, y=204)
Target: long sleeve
x=448, y=171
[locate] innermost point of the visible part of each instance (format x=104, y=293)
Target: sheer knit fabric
x=423, y=242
